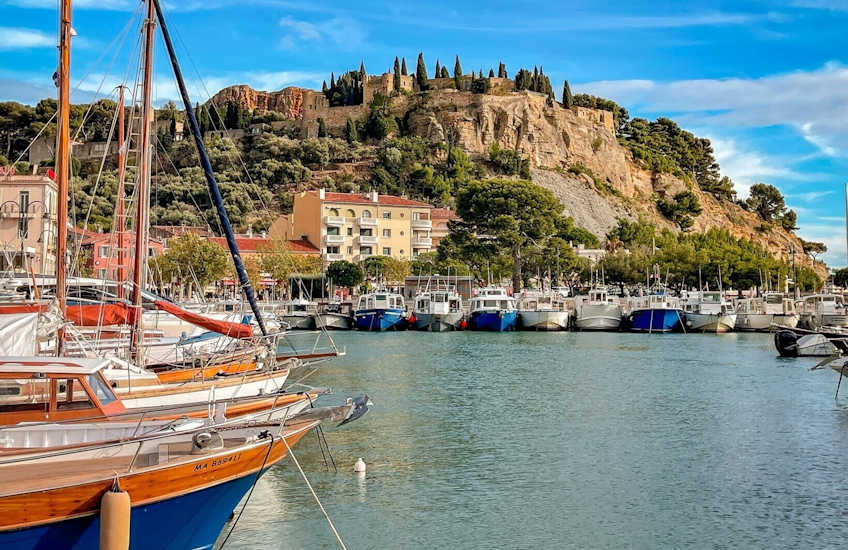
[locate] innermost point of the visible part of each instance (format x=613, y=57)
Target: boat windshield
x=101, y=389
x=774, y=298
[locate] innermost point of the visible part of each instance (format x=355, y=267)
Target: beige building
x=28, y=223
x=354, y=226
x=441, y=217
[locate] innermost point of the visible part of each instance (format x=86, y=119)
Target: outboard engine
x=786, y=343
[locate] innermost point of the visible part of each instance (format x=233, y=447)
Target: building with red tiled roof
x=102, y=256
x=355, y=226
x=256, y=245
x=165, y=232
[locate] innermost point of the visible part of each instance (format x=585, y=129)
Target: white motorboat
x=599, y=312
x=299, y=313
x=822, y=310
x=542, y=311
x=773, y=309
x=336, y=316
x=708, y=311
x=438, y=311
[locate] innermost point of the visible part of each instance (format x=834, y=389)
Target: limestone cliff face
x=553, y=138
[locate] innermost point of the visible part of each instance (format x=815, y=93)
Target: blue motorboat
x=657, y=312
x=380, y=311
x=492, y=310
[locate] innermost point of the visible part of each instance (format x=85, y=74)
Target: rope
x=315, y=496
x=250, y=493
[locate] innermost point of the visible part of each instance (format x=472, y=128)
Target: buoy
x=463, y=325
x=115, y=513
x=359, y=466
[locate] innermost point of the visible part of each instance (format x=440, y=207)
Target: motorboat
x=599, y=312
x=656, y=312
x=493, y=310
x=773, y=309
x=708, y=311
x=822, y=310
x=380, y=311
x=542, y=311
x=438, y=311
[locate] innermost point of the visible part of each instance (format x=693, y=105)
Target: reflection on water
x=533, y=440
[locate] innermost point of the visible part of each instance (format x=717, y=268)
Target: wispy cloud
x=343, y=32
x=830, y=5
x=811, y=196
x=812, y=102
x=16, y=38
x=746, y=166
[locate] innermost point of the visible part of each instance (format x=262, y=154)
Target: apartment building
x=355, y=226
x=28, y=228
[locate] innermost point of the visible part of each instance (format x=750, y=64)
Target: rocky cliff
x=574, y=153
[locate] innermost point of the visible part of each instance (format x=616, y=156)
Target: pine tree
x=396, y=72
x=567, y=98
x=438, y=71
x=491, y=73
x=421, y=73
x=322, y=128
x=403, y=70
x=351, y=134
x=457, y=74
x=502, y=70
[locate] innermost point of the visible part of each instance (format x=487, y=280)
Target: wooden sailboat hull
x=173, y=507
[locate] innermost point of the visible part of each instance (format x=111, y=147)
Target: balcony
x=334, y=239
x=363, y=257
x=334, y=257
x=367, y=222
x=367, y=239
x=422, y=224
x=334, y=221
x=420, y=242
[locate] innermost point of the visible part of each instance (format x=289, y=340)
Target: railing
x=422, y=241
x=422, y=224
x=334, y=257
x=334, y=220
x=368, y=222
x=367, y=239
x=363, y=257
x=336, y=239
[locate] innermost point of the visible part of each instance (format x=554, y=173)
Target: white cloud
x=833, y=236
x=811, y=196
x=342, y=32
x=812, y=102
x=747, y=167
x=14, y=38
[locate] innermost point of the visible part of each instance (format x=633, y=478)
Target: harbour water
x=580, y=440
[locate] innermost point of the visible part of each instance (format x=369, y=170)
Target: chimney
x=264, y=235
x=322, y=194
x=249, y=231
x=375, y=196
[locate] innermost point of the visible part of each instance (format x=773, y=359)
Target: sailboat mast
x=63, y=152
x=122, y=168
x=141, y=220
x=210, y=174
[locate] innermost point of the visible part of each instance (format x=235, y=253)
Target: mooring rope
x=315, y=496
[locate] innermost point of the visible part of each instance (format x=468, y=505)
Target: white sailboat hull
x=543, y=320
x=710, y=322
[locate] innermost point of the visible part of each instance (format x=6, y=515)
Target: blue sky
x=766, y=81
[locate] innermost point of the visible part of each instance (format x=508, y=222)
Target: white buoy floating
x=359, y=466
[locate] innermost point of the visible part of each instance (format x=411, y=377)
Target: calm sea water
x=568, y=440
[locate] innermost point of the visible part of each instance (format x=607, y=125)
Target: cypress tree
x=567, y=98
x=421, y=72
x=332, y=81
x=502, y=70
x=322, y=128
x=438, y=71
x=403, y=70
x=397, y=75
x=324, y=87
x=457, y=74
x=351, y=134
x=491, y=73
x=535, y=82
x=445, y=73
x=362, y=74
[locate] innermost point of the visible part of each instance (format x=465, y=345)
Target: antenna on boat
x=210, y=175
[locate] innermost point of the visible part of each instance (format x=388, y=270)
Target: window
x=349, y=250
x=365, y=250
x=23, y=221
x=387, y=232
x=332, y=250
x=351, y=213
x=334, y=211
x=27, y=394
x=349, y=231
x=366, y=232
x=387, y=251
x=401, y=233
x=332, y=231
x=387, y=215
x=70, y=395
x=366, y=214
x=101, y=389
x=104, y=252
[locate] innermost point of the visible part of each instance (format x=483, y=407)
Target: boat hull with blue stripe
x=380, y=320
x=494, y=321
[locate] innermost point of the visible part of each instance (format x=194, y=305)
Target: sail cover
x=233, y=330
x=92, y=315
x=18, y=334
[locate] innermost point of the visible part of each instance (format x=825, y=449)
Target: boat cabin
x=827, y=304
x=778, y=303
x=37, y=389
x=707, y=302
x=599, y=296
x=492, y=299
x=299, y=306
x=440, y=301
x=540, y=302
x=381, y=300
